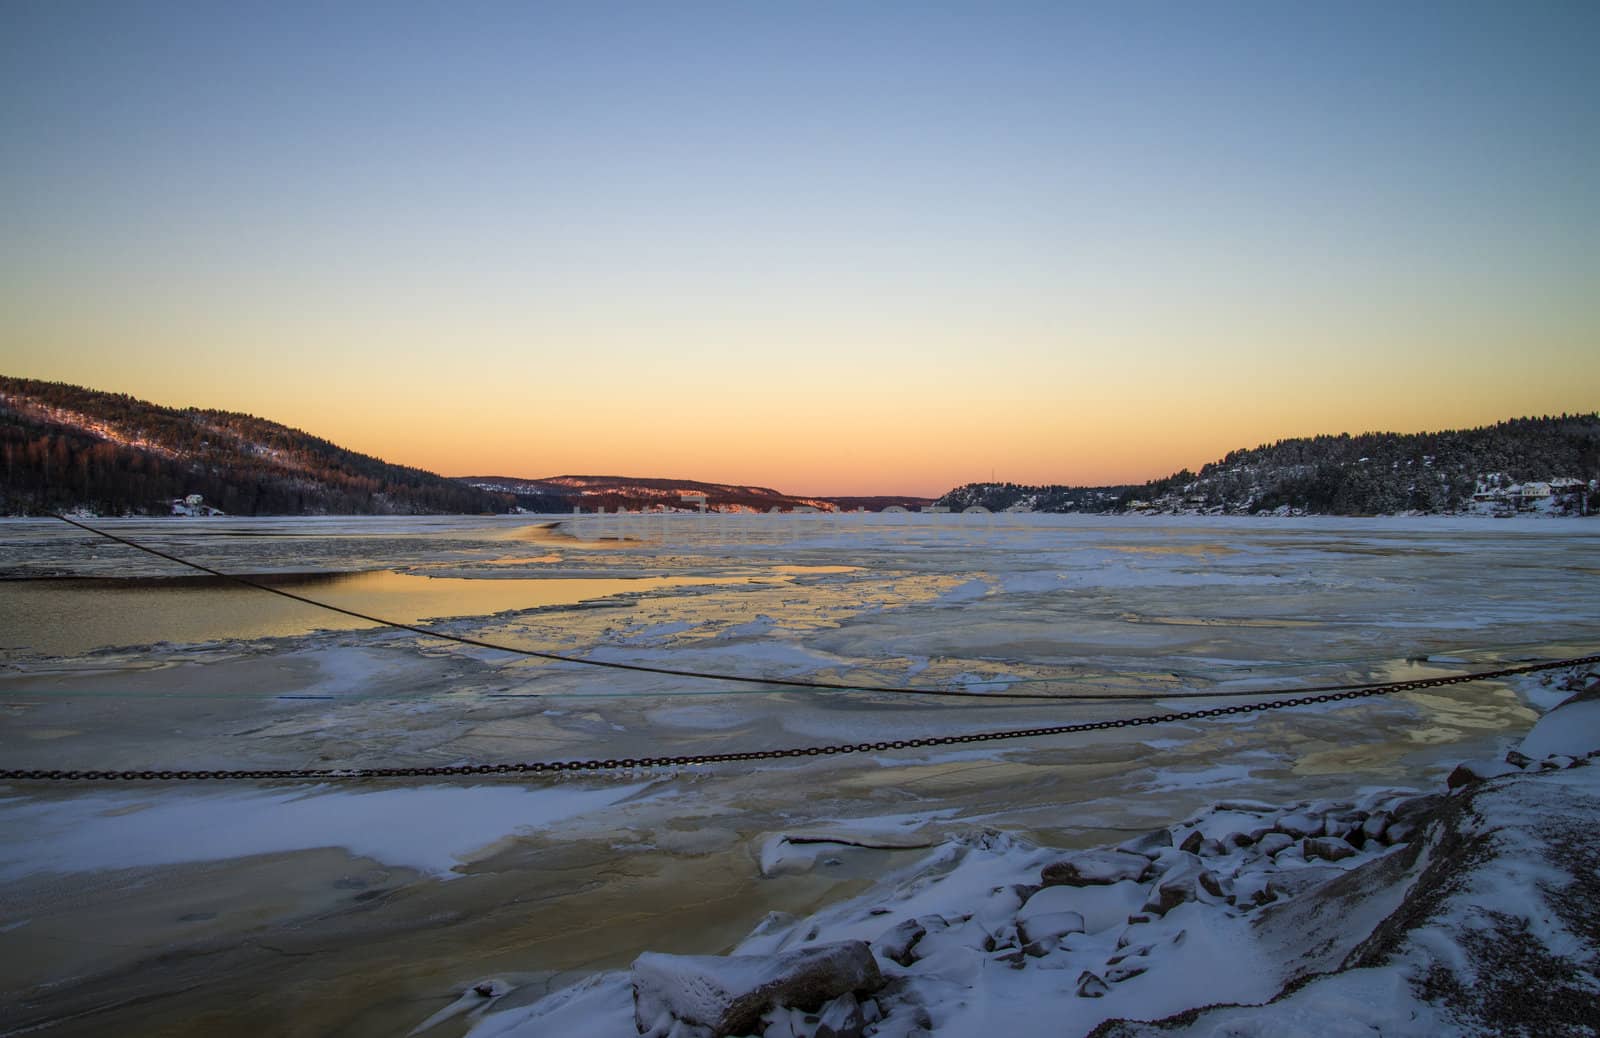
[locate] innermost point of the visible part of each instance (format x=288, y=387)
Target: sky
x=867, y=247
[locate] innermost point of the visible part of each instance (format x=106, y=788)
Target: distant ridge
x=64, y=447
x=563, y=493
x=1547, y=464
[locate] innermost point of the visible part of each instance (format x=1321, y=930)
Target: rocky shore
x=1467, y=910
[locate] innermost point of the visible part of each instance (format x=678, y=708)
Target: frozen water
x=193, y=675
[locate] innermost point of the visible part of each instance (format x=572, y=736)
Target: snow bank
x=1397, y=912
x=1572, y=728
x=432, y=829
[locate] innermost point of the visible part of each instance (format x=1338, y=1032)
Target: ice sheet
x=432, y=829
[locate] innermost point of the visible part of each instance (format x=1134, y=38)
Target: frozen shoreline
x=1403, y=913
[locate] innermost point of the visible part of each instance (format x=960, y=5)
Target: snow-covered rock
x=1483, y=926
x=1469, y=772
x=1100, y=907
x=1572, y=728
x=1330, y=848
x=1462, y=913
x=1093, y=868
x=1048, y=926
x=720, y=995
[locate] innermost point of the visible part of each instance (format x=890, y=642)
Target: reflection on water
x=800, y=571
x=65, y=617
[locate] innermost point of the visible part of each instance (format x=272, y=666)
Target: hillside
x=563, y=493
x=64, y=447
x=1547, y=464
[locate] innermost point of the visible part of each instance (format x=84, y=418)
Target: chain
x=678, y=672
x=698, y=760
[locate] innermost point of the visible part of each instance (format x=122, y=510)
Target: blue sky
x=354, y=216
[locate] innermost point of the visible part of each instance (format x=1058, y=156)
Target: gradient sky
x=826, y=247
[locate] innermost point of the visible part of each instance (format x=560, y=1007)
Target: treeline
x=997, y=497
x=64, y=447
x=562, y=493
x=1366, y=474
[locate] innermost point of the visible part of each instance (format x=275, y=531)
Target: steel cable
x=700, y=760
x=701, y=675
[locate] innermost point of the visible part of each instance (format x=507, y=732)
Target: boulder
x=1300, y=825
x=1373, y=828
x=1343, y=823
x=1017, y=958
x=1476, y=771
x=897, y=942
x=1039, y=949
x=1414, y=809
x=1399, y=832
x=1174, y=858
x=1091, y=986
x=1095, y=868
x=1408, y=815
x=954, y=943
x=1049, y=926
x=1292, y=882
x=1272, y=843
x=841, y=1018
x=1180, y=884
x=726, y=994
x=1251, y=890
x=1168, y=896
x=1127, y=970
x=1328, y=848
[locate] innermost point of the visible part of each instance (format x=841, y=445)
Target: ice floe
x=432, y=829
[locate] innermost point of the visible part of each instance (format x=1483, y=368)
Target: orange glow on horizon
x=1129, y=426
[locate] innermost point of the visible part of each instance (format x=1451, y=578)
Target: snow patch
x=432, y=829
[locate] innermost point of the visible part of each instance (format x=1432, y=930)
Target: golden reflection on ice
x=1190, y=550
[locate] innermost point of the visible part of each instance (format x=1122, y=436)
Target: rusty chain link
x=696, y=760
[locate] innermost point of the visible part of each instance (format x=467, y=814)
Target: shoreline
x=1244, y=918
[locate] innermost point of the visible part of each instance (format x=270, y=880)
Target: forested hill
x=64, y=447
x=561, y=493
x=1547, y=462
